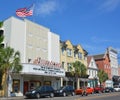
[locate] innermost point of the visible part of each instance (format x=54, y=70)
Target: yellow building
x=70, y=53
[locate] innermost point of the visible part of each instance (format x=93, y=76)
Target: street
x=102, y=96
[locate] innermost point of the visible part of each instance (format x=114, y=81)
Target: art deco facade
x=40, y=56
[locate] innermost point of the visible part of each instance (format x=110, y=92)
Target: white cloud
x=109, y=5
x=46, y=8
x=103, y=40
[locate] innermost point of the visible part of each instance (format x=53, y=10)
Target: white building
x=92, y=71
x=37, y=46
x=113, y=55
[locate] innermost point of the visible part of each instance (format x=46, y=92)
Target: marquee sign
x=43, y=62
x=34, y=69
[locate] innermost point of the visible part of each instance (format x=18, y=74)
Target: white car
x=117, y=88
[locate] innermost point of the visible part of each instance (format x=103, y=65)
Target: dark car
x=41, y=91
x=65, y=90
x=109, y=89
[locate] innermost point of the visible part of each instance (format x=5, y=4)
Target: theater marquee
x=34, y=69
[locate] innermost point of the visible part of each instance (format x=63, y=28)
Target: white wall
x=92, y=69
x=15, y=35
x=53, y=47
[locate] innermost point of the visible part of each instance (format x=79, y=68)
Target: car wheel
x=64, y=94
x=73, y=93
x=51, y=95
x=86, y=94
x=38, y=95
x=99, y=91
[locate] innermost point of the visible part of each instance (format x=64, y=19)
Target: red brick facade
x=103, y=62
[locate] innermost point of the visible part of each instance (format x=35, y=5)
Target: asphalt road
x=102, y=96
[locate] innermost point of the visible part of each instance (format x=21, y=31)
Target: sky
x=94, y=24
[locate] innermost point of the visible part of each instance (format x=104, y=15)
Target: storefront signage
x=43, y=62
x=42, y=70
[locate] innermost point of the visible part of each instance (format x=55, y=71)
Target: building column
x=61, y=81
x=21, y=84
x=78, y=83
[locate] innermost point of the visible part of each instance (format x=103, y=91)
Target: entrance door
x=25, y=86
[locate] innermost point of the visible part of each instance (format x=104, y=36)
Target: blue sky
x=94, y=24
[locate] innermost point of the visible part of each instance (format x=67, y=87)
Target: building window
x=47, y=83
x=69, y=67
x=91, y=63
x=63, y=64
x=89, y=72
x=80, y=55
x=75, y=55
x=62, y=50
x=30, y=34
x=69, y=52
x=16, y=85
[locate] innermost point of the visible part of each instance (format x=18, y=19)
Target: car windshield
x=38, y=88
x=61, y=88
x=116, y=86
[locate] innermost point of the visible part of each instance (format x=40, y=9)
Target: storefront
x=116, y=80
x=33, y=76
x=92, y=82
x=79, y=82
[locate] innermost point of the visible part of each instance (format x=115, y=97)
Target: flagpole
x=33, y=12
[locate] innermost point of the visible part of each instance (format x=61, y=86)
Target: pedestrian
x=84, y=92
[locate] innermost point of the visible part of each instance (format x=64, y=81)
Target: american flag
x=24, y=12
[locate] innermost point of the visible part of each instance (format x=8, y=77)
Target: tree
x=79, y=70
x=1, y=24
x=9, y=62
x=1, y=47
x=102, y=76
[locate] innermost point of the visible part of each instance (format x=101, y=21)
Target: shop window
x=34, y=84
x=16, y=85
x=47, y=83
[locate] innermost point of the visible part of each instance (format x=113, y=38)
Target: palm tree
x=1, y=47
x=78, y=71
x=1, y=24
x=102, y=76
x=9, y=62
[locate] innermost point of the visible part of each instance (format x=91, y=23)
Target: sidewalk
x=12, y=98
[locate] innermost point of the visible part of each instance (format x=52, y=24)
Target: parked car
x=88, y=90
x=65, y=90
x=117, y=88
x=41, y=91
x=109, y=89
x=99, y=89
x=78, y=91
